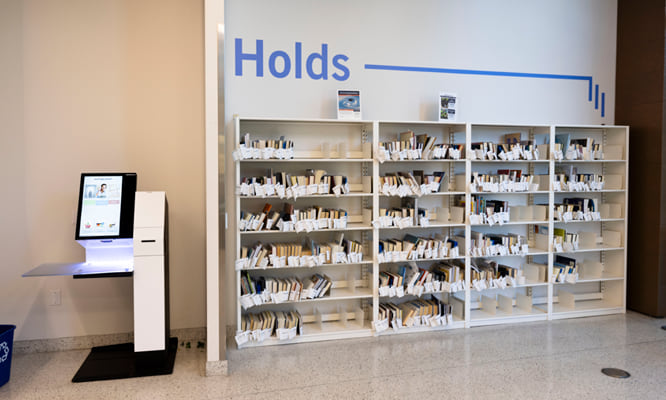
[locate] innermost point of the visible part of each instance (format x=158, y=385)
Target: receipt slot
x=151, y=273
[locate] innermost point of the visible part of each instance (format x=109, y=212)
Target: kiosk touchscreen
x=106, y=206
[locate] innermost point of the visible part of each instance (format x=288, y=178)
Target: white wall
x=566, y=37
x=97, y=86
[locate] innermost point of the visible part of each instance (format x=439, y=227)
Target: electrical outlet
x=55, y=297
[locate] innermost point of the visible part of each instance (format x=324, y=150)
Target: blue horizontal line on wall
x=481, y=72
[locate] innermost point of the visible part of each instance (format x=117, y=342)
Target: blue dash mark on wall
x=596, y=97
x=494, y=73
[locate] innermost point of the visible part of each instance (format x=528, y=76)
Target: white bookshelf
x=352, y=307
x=344, y=311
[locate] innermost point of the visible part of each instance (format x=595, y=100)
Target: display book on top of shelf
x=425, y=239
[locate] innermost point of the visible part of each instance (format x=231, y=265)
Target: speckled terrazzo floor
x=545, y=360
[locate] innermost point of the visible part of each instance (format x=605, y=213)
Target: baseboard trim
x=185, y=335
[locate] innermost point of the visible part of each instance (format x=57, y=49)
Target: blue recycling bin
x=6, y=343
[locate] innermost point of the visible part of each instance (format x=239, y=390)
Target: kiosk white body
x=150, y=269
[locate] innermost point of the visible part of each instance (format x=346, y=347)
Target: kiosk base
x=119, y=361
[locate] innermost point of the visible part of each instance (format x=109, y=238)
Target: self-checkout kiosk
x=124, y=233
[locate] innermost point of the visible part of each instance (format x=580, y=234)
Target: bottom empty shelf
x=586, y=308
x=480, y=317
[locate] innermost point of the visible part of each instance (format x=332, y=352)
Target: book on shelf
x=564, y=269
x=408, y=140
x=562, y=139
x=512, y=138
x=563, y=241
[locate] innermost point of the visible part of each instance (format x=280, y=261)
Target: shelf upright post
x=468, y=228
x=451, y=170
x=375, y=217
x=234, y=224
x=551, y=225
x=604, y=197
x=625, y=132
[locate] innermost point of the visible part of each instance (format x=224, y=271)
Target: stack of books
x=567, y=178
x=412, y=280
x=564, y=241
x=488, y=244
x=450, y=273
x=286, y=185
x=576, y=209
x=263, y=290
x=281, y=149
x=489, y=212
x=414, y=248
x=564, y=270
x=513, y=148
x=414, y=313
x=409, y=146
x=309, y=219
x=279, y=255
x=400, y=217
x=416, y=183
x=505, y=181
x=258, y=327
x=577, y=149
x=489, y=274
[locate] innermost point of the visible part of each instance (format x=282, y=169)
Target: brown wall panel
x=640, y=104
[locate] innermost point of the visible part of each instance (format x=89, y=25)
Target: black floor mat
x=119, y=361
